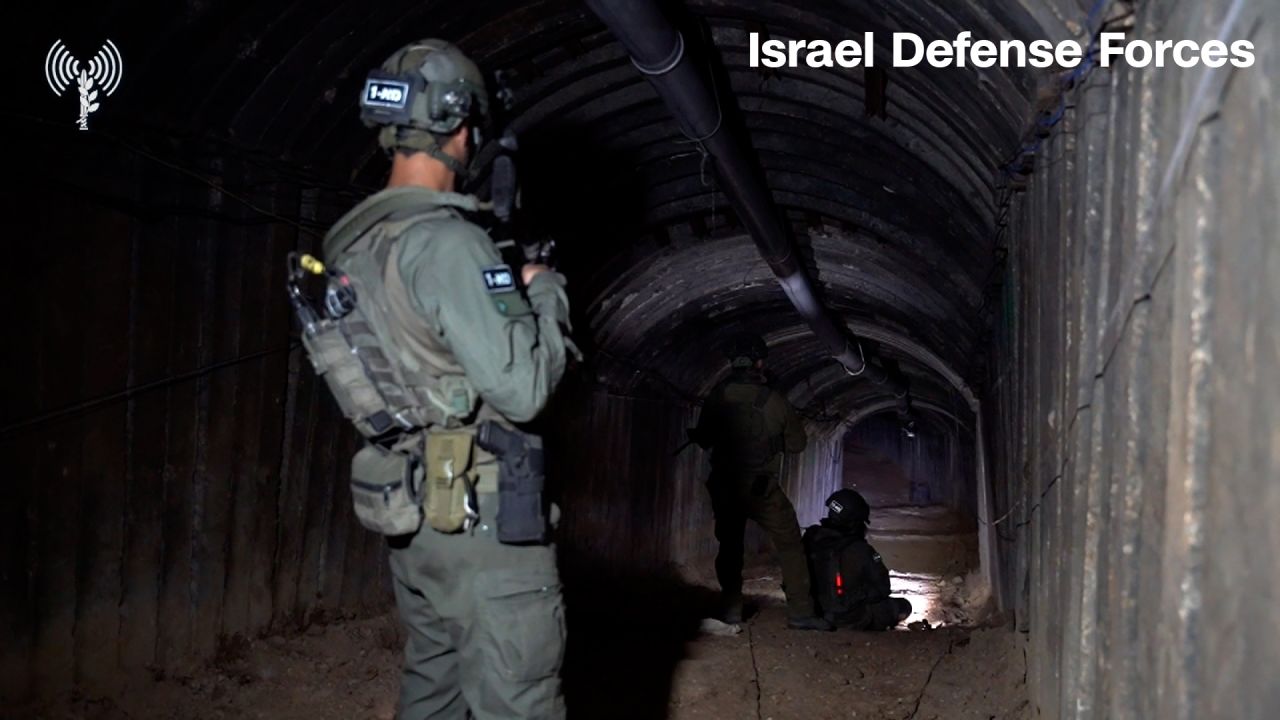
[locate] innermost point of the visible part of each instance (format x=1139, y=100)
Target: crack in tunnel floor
x=350, y=670
x=636, y=651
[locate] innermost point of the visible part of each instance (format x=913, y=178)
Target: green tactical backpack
x=348, y=343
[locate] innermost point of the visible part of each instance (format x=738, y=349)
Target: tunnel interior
x=1075, y=276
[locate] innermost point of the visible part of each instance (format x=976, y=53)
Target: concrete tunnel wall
x=1116, y=328
x=1133, y=403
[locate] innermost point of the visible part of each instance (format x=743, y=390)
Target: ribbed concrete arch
x=639, y=316
x=919, y=353
x=897, y=211
x=884, y=406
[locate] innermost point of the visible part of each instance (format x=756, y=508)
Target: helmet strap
x=399, y=137
x=451, y=162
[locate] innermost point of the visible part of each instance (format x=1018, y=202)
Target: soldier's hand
x=530, y=271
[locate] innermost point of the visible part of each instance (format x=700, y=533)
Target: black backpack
x=845, y=573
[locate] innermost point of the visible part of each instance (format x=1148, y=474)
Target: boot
x=809, y=623
x=732, y=609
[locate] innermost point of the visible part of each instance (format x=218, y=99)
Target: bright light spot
x=929, y=595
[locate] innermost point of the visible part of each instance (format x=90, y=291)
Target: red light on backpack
x=839, y=584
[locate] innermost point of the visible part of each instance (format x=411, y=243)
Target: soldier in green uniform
x=453, y=351
x=748, y=426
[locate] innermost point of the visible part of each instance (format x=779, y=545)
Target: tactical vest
x=380, y=360
x=745, y=434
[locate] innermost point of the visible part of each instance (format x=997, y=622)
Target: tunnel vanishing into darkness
x=1077, y=279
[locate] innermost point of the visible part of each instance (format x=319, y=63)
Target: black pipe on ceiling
x=657, y=50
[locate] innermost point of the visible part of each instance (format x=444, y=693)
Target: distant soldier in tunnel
x=748, y=426
x=850, y=580
x=433, y=351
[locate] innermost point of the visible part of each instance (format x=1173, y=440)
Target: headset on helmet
x=425, y=90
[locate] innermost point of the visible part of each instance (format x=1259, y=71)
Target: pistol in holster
x=522, y=518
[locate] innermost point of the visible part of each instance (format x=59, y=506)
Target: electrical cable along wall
x=1135, y=393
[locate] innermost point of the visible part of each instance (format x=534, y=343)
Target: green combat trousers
x=739, y=495
x=485, y=624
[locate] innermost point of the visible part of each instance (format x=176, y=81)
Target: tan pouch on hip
x=449, y=485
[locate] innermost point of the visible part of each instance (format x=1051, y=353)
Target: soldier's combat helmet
x=424, y=92
x=744, y=350
x=847, y=508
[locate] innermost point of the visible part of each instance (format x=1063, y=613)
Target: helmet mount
x=421, y=95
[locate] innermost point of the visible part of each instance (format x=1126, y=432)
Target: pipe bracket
x=862, y=356
x=668, y=64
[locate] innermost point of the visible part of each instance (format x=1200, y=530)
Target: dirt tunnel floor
x=645, y=666
x=350, y=671
x=636, y=650
x=770, y=672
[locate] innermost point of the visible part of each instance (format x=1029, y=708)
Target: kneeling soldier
x=850, y=581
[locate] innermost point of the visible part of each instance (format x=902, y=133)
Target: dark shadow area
x=627, y=632
x=629, y=613
x=580, y=191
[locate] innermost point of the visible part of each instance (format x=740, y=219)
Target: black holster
x=522, y=517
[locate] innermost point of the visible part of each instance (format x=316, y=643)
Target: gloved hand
x=531, y=271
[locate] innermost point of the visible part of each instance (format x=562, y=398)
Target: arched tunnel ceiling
x=897, y=211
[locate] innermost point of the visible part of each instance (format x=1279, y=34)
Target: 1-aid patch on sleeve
x=499, y=279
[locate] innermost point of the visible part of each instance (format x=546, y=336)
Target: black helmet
x=847, y=508
x=744, y=350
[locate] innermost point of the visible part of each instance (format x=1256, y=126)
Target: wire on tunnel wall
x=1016, y=170
x=1155, y=263
x=130, y=392
x=1021, y=162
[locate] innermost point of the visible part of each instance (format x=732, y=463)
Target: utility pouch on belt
x=385, y=490
x=451, y=502
x=522, y=519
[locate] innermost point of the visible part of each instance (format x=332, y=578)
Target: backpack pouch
x=334, y=359
x=383, y=490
